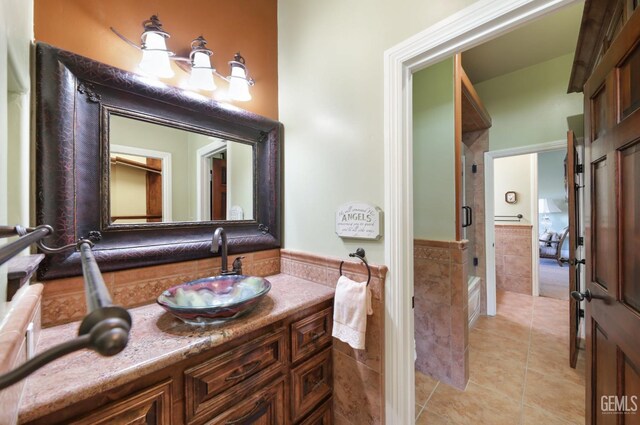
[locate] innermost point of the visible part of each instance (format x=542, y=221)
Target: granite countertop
x=157, y=340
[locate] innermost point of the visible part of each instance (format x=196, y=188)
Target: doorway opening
x=415, y=211
x=553, y=226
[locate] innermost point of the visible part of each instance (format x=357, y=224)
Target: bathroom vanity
x=273, y=366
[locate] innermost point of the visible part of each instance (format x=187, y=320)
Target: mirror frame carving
x=74, y=99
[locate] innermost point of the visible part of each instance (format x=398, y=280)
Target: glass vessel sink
x=214, y=300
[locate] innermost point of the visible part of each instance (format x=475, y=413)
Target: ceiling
x=544, y=39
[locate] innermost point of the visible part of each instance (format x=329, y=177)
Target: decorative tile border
x=433, y=254
x=63, y=300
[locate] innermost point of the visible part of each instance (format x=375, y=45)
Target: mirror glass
x=165, y=174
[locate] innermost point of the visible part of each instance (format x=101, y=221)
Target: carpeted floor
x=554, y=280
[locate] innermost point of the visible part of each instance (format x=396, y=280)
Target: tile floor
x=519, y=370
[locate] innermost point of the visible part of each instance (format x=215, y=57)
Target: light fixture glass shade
x=201, y=75
x=238, y=84
x=546, y=206
x=155, y=57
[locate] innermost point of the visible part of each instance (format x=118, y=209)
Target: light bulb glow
x=201, y=75
x=238, y=84
x=155, y=58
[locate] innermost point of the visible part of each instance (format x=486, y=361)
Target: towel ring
x=359, y=254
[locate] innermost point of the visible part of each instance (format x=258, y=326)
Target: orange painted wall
x=248, y=26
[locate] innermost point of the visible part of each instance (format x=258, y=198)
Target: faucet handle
x=237, y=265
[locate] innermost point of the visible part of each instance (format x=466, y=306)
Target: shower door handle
x=468, y=216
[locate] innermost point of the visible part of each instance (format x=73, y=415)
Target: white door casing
x=479, y=22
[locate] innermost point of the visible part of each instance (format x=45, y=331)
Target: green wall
x=240, y=178
x=531, y=105
x=140, y=134
x=331, y=101
x=434, y=153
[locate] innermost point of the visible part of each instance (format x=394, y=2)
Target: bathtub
x=474, y=299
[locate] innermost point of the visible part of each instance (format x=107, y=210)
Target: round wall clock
x=510, y=197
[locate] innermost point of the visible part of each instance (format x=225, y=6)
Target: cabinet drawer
x=211, y=386
x=311, y=333
x=322, y=416
x=264, y=407
x=151, y=406
x=311, y=382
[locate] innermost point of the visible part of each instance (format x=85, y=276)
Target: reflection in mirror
x=136, y=189
x=164, y=174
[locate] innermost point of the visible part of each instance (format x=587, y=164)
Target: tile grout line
x=420, y=413
x=432, y=393
x=427, y=401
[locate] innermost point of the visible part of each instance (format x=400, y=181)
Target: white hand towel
x=351, y=305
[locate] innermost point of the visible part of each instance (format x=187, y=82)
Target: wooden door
x=154, y=191
x=574, y=267
x=612, y=152
x=219, y=189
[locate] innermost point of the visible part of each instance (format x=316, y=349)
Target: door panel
x=599, y=112
x=605, y=373
x=612, y=230
x=630, y=83
x=632, y=391
x=630, y=220
x=602, y=241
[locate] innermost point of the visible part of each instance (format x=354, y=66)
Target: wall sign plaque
x=358, y=220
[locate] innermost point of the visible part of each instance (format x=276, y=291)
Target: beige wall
x=514, y=173
x=128, y=191
x=330, y=82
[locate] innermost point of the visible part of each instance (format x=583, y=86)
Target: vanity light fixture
x=155, y=56
x=238, y=81
x=201, y=69
x=156, y=61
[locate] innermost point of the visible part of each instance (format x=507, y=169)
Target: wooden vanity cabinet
x=259, y=378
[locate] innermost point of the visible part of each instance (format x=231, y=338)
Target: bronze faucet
x=220, y=239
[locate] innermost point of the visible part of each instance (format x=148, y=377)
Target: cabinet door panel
x=264, y=407
x=213, y=385
x=310, y=334
x=311, y=383
x=151, y=406
x=322, y=416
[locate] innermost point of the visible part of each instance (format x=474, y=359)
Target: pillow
x=545, y=238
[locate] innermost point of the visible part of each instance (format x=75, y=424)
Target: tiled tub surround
x=441, y=310
x=358, y=397
x=63, y=300
x=23, y=310
x=157, y=341
x=513, y=258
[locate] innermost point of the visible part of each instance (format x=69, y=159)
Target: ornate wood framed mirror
x=136, y=160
